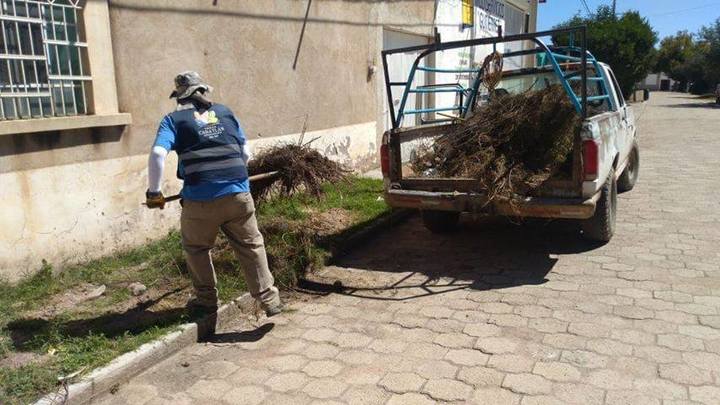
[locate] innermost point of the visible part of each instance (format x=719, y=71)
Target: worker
x=212, y=161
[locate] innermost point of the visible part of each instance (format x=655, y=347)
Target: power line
x=584, y=3
x=684, y=9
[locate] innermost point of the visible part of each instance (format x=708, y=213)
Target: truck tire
x=601, y=226
x=440, y=221
x=629, y=176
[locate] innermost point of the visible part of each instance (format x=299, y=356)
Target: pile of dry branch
x=299, y=167
x=510, y=145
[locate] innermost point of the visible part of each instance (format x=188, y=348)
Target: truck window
x=618, y=93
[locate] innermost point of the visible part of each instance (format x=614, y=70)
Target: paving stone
x=356, y=357
x=495, y=396
x=387, y=346
x=436, y=369
x=576, y=393
x=496, y=345
x=402, y=382
x=290, y=362
x=680, y=342
x=583, y=358
x=467, y=357
x=525, y=383
x=684, y=374
x=548, y=325
x=658, y=354
x=609, y=347
x=352, y=339
x=209, y=389
x=703, y=360
x=321, y=351
x=213, y=369
x=324, y=388
x=632, y=312
x=634, y=337
x=480, y=376
x=659, y=388
x=436, y=312
x=246, y=395
x=247, y=376
x=511, y=320
x=320, y=335
x=588, y=329
x=625, y=397
x=426, y=350
x=705, y=394
x=557, y=371
x=410, y=398
x=447, y=390
x=481, y=330
x=322, y=368
x=700, y=332
x=565, y=341
x=511, y=363
x=365, y=395
x=286, y=382
x=610, y=379
x=635, y=367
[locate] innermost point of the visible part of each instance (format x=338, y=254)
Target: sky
x=667, y=17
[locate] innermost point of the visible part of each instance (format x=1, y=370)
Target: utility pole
x=613, y=7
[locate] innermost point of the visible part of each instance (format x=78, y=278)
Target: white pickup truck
x=605, y=159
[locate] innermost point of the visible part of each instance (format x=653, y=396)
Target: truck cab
x=604, y=160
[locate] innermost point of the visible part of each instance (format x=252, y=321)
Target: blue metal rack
x=560, y=59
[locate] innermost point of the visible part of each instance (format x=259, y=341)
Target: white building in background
x=658, y=81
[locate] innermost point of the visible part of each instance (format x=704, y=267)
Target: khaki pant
x=235, y=216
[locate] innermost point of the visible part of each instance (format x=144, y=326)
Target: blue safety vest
x=208, y=146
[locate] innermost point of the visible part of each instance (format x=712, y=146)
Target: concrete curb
x=128, y=365
x=123, y=368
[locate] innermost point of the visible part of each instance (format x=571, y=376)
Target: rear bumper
x=571, y=208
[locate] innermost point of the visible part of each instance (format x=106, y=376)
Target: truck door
x=624, y=136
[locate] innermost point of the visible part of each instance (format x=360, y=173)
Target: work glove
x=154, y=200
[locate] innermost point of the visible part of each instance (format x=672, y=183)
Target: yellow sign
x=468, y=13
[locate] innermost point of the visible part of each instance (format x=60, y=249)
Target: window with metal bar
x=43, y=59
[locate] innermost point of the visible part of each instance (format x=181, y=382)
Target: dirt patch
x=19, y=359
x=69, y=300
x=329, y=222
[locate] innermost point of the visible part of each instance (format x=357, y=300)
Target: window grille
x=43, y=59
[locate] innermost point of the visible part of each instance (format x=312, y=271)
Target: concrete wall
x=69, y=196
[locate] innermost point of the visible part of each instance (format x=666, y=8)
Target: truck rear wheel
x=629, y=176
x=440, y=221
x=601, y=226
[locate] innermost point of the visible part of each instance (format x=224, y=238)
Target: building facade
x=84, y=84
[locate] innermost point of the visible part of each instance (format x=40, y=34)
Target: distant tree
x=692, y=59
x=710, y=47
x=678, y=57
x=626, y=43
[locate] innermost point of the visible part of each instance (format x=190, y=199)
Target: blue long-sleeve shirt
x=166, y=139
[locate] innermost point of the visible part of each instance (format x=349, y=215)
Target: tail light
x=385, y=160
x=590, y=159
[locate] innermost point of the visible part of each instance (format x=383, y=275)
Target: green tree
x=692, y=59
x=626, y=43
x=710, y=48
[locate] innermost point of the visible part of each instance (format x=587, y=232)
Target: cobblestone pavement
x=499, y=313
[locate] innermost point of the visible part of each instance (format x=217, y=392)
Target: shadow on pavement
x=485, y=254
x=710, y=105
x=244, y=336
